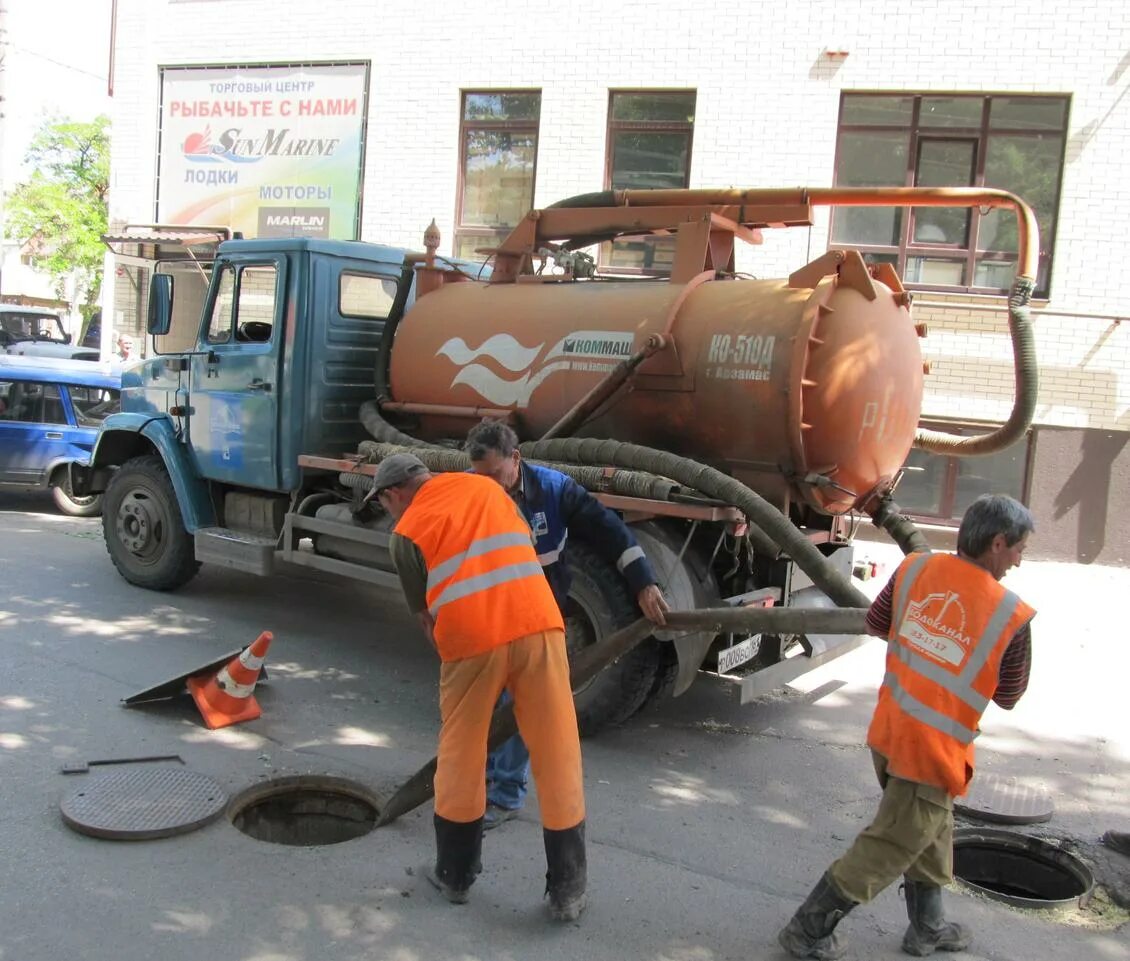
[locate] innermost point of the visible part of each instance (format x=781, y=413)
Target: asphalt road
x=708, y=821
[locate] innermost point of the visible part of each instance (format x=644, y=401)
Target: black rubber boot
x=811, y=932
x=459, y=849
x=1118, y=841
x=929, y=931
x=566, y=872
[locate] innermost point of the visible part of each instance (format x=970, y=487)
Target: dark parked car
x=50, y=412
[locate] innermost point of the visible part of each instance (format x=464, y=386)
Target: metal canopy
x=164, y=241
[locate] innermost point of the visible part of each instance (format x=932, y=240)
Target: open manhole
x=1023, y=871
x=305, y=811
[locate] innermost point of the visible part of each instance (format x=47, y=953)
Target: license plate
x=737, y=655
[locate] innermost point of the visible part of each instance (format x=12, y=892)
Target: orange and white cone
x=226, y=697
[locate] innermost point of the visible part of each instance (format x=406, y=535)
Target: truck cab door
x=233, y=428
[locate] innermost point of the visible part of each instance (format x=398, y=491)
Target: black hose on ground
x=712, y=483
x=1027, y=388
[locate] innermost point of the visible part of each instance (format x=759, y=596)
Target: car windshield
x=29, y=326
x=94, y=404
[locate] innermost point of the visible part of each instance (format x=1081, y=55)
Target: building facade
x=471, y=115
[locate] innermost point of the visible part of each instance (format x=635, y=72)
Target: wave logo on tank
x=583, y=351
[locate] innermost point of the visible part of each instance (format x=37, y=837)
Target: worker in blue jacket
x=554, y=506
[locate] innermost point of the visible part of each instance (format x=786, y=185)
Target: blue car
x=50, y=412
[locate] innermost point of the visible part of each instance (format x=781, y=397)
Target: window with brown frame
x=498, y=146
x=941, y=488
x=649, y=146
x=1012, y=142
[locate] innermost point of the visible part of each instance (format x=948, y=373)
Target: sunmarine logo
x=199, y=148
x=233, y=146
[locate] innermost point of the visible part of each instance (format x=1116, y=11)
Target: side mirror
x=160, y=304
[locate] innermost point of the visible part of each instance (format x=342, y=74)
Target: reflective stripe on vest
x=927, y=715
x=484, y=545
x=482, y=582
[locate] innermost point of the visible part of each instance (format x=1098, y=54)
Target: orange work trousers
x=535, y=669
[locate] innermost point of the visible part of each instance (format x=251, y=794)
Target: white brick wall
x=766, y=116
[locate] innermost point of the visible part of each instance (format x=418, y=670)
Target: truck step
x=238, y=550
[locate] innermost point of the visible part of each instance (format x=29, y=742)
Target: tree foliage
x=60, y=212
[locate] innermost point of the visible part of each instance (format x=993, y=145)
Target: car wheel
x=144, y=531
x=70, y=503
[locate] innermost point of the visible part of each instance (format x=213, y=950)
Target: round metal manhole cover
x=993, y=798
x=143, y=804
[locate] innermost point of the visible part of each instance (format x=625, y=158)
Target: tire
x=144, y=531
x=70, y=504
x=600, y=603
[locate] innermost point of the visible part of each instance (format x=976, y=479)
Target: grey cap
x=396, y=470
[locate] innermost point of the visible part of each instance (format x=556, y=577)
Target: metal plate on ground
x=176, y=685
x=155, y=802
x=993, y=798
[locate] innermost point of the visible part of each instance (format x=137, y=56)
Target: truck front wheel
x=141, y=521
x=600, y=603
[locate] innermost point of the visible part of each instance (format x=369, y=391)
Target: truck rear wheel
x=600, y=603
x=144, y=531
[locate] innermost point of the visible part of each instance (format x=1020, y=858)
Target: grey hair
x=491, y=435
x=989, y=515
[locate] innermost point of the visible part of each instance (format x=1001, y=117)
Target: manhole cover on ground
x=1023, y=871
x=307, y=810
x=992, y=798
x=155, y=802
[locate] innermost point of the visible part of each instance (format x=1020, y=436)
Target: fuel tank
x=810, y=393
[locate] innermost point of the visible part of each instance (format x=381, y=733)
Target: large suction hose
x=1027, y=387
x=623, y=482
x=712, y=483
x=382, y=430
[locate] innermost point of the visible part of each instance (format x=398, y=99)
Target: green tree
x=61, y=211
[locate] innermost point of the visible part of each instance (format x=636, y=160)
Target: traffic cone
x=226, y=698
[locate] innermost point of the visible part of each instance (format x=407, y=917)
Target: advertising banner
x=269, y=151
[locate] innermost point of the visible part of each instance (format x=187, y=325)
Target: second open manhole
x=1022, y=871
x=305, y=811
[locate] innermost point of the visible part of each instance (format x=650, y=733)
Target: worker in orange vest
x=466, y=560
x=956, y=639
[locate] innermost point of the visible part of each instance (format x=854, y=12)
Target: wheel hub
x=137, y=524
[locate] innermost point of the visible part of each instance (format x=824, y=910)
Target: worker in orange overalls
x=466, y=561
x=956, y=639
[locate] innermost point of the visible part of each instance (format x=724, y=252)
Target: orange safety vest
x=950, y=625
x=485, y=586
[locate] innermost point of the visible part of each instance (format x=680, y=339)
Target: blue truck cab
x=202, y=462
